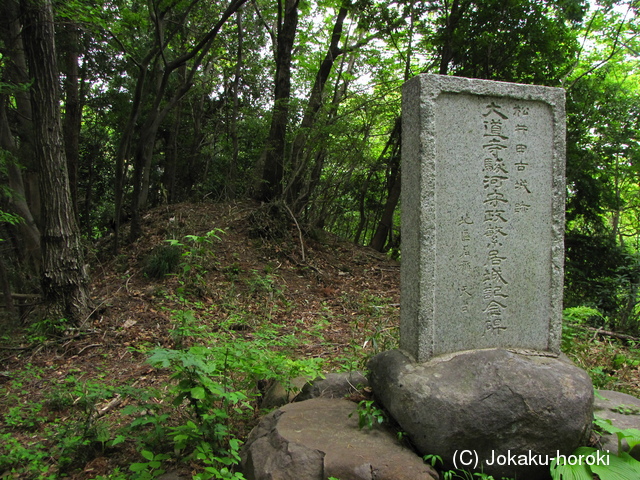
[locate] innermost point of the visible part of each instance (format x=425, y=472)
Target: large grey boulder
x=317, y=439
x=487, y=403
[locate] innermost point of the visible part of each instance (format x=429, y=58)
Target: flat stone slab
x=317, y=439
x=491, y=402
x=623, y=410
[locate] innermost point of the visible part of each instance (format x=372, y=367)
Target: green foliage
x=164, y=260
x=590, y=461
x=573, y=319
x=581, y=315
x=378, y=317
x=24, y=417
x=47, y=328
x=197, y=258
x=28, y=462
x=75, y=435
x=630, y=435
x=585, y=462
x=216, y=384
x=150, y=469
x=369, y=415
x=186, y=326
x=191, y=257
x=433, y=460
x=9, y=218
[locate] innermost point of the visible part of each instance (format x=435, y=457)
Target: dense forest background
x=109, y=108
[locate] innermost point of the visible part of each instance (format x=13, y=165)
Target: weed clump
x=162, y=261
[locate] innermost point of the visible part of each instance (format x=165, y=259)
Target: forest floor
x=72, y=399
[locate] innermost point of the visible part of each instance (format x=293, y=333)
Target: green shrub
x=162, y=261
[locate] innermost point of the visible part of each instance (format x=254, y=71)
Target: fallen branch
x=608, y=333
x=25, y=295
x=112, y=404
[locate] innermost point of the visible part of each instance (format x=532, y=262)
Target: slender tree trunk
x=453, y=17
x=64, y=278
x=385, y=226
x=273, y=155
x=171, y=157
x=386, y=220
x=72, y=107
x=361, y=208
x=142, y=156
x=6, y=289
x=299, y=150
x=233, y=166
x=339, y=91
x=87, y=206
x=30, y=247
x=384, y=230
x=124, y=148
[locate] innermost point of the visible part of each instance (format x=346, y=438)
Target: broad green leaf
x=147, y=454
x=615, y=468
x=138, y=467
x=561, y=471
x=198, y=393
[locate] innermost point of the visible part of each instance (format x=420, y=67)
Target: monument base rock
x=495, y=405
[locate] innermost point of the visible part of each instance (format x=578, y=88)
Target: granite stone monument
x=483, y=216
x=479, y=367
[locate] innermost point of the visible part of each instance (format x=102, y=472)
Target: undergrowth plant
x=215, y=387
x=586, y=462
x=190, y=259
x=457, y=474
x=66, y=415
x=369, y=414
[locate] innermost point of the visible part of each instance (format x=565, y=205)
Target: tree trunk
x=453, y=18
x=171, y=158
x=362, y=197
x=124, y=149
x=30, y=245
x=233, y=131
x=299, y=150
x=142, y=157
x=6, y=290
x=339, y=92
x=273, y=155
x=385, y=224
x=64, y=278
x=72, y=107
x=160, y=108
x=21, y=169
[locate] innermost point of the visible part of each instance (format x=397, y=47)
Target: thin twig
x=89, y=346
x=94, y=311
x=299, y=231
